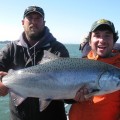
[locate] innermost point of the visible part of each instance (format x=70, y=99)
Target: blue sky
x=68, y=20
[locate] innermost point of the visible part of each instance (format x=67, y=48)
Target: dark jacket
x=17, y=55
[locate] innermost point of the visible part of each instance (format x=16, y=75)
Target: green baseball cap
x=100, y=22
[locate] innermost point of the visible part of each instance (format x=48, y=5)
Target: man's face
x=102, y=42
x=33, y=24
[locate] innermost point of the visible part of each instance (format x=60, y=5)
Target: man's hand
x=80, y=95
x=3, y=88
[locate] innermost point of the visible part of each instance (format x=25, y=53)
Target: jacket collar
x=111, y=60
x=43, y=42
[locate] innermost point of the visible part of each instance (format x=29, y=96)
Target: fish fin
x=96, y=93
x=48, y=56
x=17, y=99
x=44, y=104
x=92, y=92
x=90, y=95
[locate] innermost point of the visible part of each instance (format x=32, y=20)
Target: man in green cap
x=102, y=38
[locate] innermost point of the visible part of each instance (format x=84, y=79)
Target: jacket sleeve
x=5, y=59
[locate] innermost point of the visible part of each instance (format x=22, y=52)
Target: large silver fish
x=61, y=78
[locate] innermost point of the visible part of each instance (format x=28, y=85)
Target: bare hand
x=80, y=95
x=3, y=88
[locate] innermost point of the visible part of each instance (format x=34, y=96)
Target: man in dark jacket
x=26, y=52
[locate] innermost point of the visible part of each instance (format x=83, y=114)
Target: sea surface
x=4, y=101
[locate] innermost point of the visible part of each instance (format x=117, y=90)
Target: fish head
x=110, y=81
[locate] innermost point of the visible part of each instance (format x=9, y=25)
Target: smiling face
x=102, y=42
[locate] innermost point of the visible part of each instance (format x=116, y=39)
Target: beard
x=35, y=36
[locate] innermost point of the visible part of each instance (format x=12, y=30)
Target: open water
x=4, y=101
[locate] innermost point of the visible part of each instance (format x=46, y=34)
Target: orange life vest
x=105, y=107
